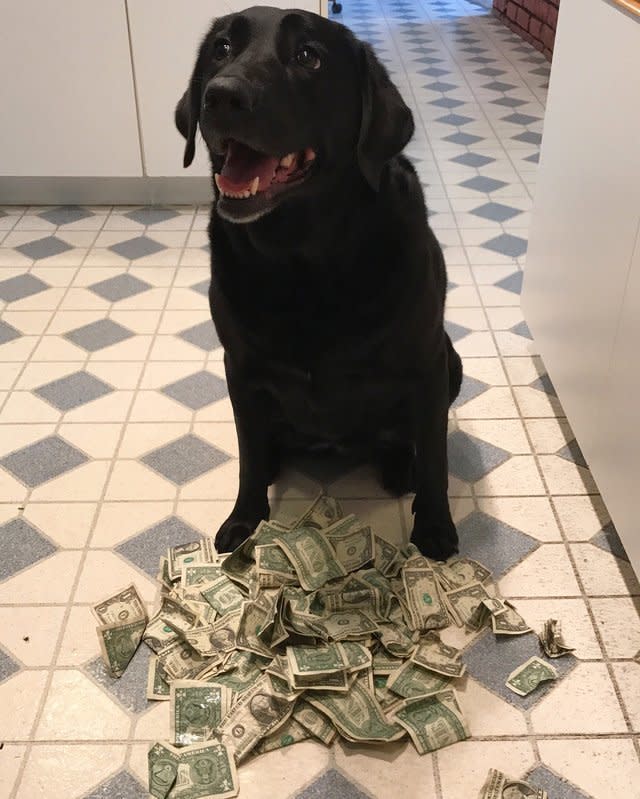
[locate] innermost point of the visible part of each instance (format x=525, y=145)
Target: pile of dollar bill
x=312, y=629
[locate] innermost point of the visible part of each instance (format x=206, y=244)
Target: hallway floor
x=117, y=440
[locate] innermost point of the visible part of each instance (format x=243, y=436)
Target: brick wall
x=533, y=20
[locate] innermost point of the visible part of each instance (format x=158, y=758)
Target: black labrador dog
x=328, y=285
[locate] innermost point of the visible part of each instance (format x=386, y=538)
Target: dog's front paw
x=233, y=533
x=437, y=540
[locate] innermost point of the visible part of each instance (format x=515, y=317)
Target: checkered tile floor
x=117, y=440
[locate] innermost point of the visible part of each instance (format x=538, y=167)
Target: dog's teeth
x=287, y=160
x=309, y=155
x=254, y=186
x=216, y=177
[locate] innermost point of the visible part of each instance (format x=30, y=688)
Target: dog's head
x=284, y=100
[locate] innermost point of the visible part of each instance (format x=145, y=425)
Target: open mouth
x=249, y=181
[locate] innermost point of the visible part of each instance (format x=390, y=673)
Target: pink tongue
x=243, y=165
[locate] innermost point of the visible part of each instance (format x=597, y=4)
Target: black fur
x=330, y=305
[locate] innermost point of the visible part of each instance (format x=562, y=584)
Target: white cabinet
x=581, y=294
x=67, y=90
x=165, y=36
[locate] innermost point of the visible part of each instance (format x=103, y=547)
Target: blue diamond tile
x=331, y=785
x=482, y=59
x=555, y=786
x=8, y=666
x=197, y=390
x=498, y=86
x=492, y=541
x=145, y=549
x=45, y=459
x=474, y=160
x=440, y=86
x=512, y=283
x=65, y=214
x=455, y=331
x=22, y=546
x=609, y=540
x=463, y=139
x=202, y=287
x=534, y=158
x=544, y=71
x=492, y=658
x=436, y=72
x=543, y=383
x=120, y=287
x=428, y=60
x=131, y=689
x=508, y=102
x=202, y=335
x=456, y=120
x=21, y=286
x=44, y=247
x=97, y=335
x=73, y=390
x=496, y=212
x=522, y=329
x=470, y=389
x=446, y=102
x=490, y=72
x=8, y=332
x=506, y=244
x=137, y=247
x=483, y=184
x=572, y=452
x=185, y=459
x=528, y=137
x=122, y=786
x=520, y=119
x=471, y=459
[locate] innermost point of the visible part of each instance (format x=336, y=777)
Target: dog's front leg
x=434, y=532
x=252, y=428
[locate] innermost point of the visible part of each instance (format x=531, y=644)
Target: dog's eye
x=307, y=57
x=221, y=49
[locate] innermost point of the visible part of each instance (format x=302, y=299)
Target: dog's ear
x=386, y=124
x=187, y=114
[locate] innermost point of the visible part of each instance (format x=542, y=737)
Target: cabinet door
x=165, y=36
x=586, y=205
x=615, y=463
x=68, y=105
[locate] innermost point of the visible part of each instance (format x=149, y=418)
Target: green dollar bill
x=118, y=643
x=509, y=622
x=291, y=732
x=312, y=660
x=157, y=686
x=315, y=722
x=411, y=681
x=205, y=771
x=553, y=641
x=423, y=599
x=256, y=714
x=433, y=722
x=353, y=544
x=527, y=677
x=180, y=660
x=460, y=572
x=356, y=714
x=201, y=551
x=434, y=655
x=499, y=786
x=312, y=556
x=223, y=595
x=196, y=710
x=322, y=512
x=163, y=769
x=347, y=624
x=121, y=608
x=464, y=603
x=200, y=574
x=386, y=556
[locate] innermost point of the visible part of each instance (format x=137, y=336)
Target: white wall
x=581, y=293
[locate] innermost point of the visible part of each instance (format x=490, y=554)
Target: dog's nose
x=229, y=93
